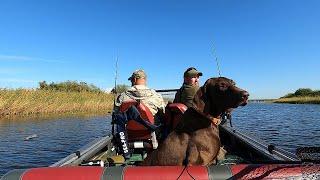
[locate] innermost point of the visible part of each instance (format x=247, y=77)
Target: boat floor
x=136, y=159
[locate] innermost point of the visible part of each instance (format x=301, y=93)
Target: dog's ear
x=198, y=99
x=201, y=100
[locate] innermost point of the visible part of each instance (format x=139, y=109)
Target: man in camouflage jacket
x=139, y=91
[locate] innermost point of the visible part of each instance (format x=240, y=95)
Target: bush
x=120, y=88
x=69, y=86
x=303, y=92
x=317, y=93
x=288, y=95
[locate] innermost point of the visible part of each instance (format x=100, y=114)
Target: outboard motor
x=120, y=137
x=135, y=128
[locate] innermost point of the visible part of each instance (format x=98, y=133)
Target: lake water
x=285, y=125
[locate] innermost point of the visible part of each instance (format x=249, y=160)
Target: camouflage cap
x=138, y=74
x=192, y=72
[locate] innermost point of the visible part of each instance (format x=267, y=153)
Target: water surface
x=56, y=138
x=285, y=125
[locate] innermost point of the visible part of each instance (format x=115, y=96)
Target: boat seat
x=137, y=133
x=173, y=115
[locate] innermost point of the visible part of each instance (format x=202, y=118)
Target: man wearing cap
x=189, y=87
x=139, y=91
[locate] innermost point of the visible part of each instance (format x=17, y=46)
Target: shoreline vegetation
x=23, y=102
x=299, y=100
x=55, y=99
x=301, y=96
x=71, y=98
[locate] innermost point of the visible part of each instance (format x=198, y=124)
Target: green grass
x=23, y=102
x=299, y=100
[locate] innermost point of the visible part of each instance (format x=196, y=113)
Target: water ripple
x=56, y=139
x=285, y=125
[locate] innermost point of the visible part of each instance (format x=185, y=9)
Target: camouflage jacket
x=147, y=96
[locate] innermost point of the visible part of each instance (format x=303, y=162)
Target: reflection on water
x=284, y=125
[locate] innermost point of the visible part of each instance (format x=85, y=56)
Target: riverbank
x=23, y=102
x=299, y=100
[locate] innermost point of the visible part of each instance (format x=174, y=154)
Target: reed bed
x=23, y=102
x=299, y=100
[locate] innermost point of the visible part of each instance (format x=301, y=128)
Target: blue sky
x=269, y=47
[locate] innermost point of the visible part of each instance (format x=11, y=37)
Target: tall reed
x=28, y=102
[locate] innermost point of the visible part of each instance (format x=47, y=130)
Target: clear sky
x=268, y=47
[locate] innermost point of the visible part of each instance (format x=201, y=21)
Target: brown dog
x=196, y=138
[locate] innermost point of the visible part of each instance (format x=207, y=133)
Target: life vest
x=135, y=130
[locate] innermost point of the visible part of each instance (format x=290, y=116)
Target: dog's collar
x=214, y=120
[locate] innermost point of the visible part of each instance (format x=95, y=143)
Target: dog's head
x=218, y=95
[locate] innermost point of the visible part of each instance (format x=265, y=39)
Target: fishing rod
x=115, y=81
x=216, y=59
x=115, y=93
x=218, y=69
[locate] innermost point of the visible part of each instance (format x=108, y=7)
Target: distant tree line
x=303, y=92
x=69, y=86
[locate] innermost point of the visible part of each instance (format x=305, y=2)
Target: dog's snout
x=244, y=98
x=245, y=94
